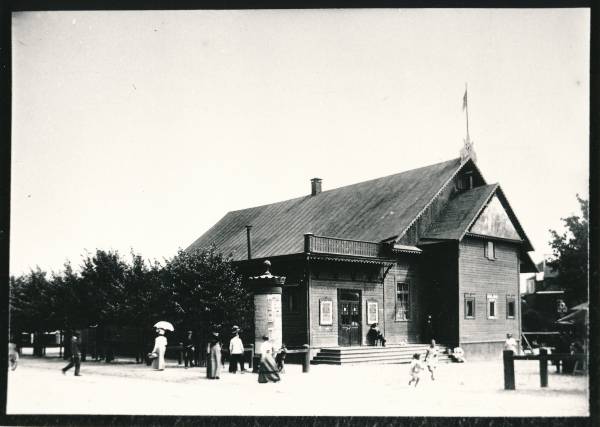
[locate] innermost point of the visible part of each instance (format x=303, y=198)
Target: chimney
x=315, y=186
x=248, y=227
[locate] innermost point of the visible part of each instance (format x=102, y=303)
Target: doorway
x=349, y=318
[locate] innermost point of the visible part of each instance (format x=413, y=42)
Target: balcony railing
x=332, y=245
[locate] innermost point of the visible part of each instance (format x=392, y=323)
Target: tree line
x=192, y=290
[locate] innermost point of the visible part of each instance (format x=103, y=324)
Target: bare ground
x=470, y=389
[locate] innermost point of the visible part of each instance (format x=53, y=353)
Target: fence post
x=543, y=367
x=509, y=370
x=306, y=364
x=252, y=364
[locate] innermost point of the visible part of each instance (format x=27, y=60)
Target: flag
x=465, y=100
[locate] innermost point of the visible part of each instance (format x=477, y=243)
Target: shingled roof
x=372, y=210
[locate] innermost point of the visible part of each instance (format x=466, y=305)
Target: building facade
x=433, y=252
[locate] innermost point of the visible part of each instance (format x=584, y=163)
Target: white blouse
x=160, y=341
x=266, y=348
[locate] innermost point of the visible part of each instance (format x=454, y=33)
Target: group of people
x=268, y=370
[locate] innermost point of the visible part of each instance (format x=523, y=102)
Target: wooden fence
x=543, y=358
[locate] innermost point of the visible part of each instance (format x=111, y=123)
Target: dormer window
x=465, y=181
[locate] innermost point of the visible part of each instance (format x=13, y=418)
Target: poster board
x=325, y=312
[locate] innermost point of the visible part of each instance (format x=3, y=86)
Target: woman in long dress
x=160, y=346
x=267, y=370
x=213, y=365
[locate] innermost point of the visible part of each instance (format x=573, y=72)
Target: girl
x=415, y=369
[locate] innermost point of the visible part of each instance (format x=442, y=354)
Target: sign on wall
x=326, y=312
x=372, y=312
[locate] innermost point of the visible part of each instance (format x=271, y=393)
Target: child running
x=415, y=369
x=431, y=358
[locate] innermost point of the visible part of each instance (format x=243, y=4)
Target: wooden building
x=433, y=252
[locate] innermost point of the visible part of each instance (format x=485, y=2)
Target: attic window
x=466, y=181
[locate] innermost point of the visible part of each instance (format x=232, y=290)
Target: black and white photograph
x=315, y=212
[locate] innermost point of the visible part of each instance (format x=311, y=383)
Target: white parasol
x=167, y=326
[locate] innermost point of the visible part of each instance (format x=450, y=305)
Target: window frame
x=408, y=309
x=492, y=298
x=511, y=299
x=486, y=250
x=469, y=298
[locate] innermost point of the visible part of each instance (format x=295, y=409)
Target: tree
x=570, y=254
x=203, y=287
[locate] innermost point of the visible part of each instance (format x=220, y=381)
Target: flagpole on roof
x=466, y=108
x=467, y=152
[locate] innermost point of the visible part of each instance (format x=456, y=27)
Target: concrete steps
x=372, y=355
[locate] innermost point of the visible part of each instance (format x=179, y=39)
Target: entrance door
x=349, y=318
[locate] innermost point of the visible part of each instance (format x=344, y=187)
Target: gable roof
x=459, y=213
x=463, y=209
x=371, y=210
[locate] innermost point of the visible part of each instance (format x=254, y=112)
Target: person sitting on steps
x=374, y=335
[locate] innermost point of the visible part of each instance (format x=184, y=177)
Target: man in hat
x=188, y=349
x=75, y=356
x=236, y=351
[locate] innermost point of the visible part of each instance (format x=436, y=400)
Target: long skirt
x=213, y=365
x=159, y=362
x=267, y=370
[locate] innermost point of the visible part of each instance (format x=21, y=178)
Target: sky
x=139, y=130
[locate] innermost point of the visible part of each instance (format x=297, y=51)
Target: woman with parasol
x=160, y=345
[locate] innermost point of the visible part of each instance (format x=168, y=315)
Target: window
x=465, y=182
x=491, y=304
x=511, y=306
x=403, y=301
x=490, y=250
x=469, y=306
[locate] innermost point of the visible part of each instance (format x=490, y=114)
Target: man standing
x=75, y=356
x=510, y=344
x=236, y=351
x=188, y=349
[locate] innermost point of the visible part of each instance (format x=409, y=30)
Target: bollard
x=306, y=364
x=509, y=370
x=543, y=367
x=250, y=363
x=180, y=353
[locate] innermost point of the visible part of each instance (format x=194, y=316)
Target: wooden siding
x=406, y=270
x=480, y=276
x=327, y=336
x=328, y=278
x=294, y=322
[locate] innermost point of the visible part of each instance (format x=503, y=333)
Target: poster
x=326, y=312
x=372, y=312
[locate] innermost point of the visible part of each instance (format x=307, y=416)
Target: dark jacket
x=75, y=349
